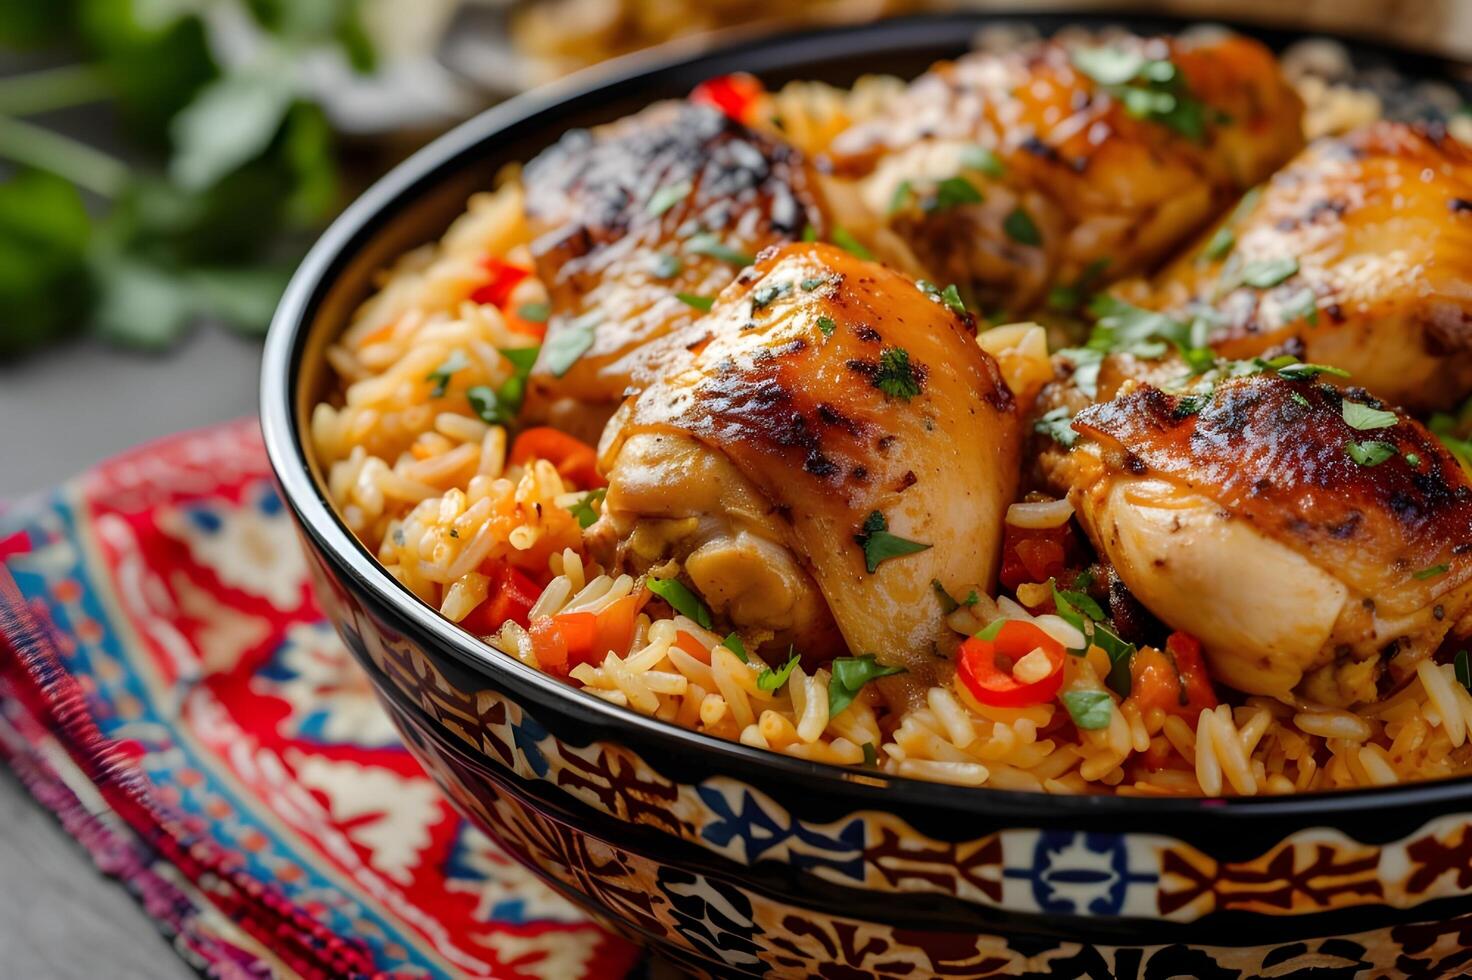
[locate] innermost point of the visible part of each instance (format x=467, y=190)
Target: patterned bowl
x=735, y=861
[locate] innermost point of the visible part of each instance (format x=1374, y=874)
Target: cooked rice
x=426, y=485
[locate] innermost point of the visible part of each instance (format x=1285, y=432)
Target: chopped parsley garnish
x=667, y=266
x=817, y=282
x=949, y=297
x=1448, y=430
x=1431, y=572
x=1299, y=371
x=708, y=244
x=667, y=197
x=1149, y=89
x=850, y=244
x=1302, y=305
x=1266, y=273
x=771, y=680
x=948, y=603
x=457, y=361
x=904, y=193
x=871, y=754
x=826, y=324
x=952, y=192
x=1080, y=611
x=1225, y=237
x=1090, y=710
x=1463, y=669
x=849, y=675
x=981, y=159
x=1413, y=460
x=584, y=511
x=879, y=545
x=1057, y=424
x=733, y=643
x=1299, y=400
x=681, y=599
x=564, y=346
x=896, y=377
x=702, y=303
x=499, y=406
x=1369, y=453
x=768, y=293
x=1365, y=418
x=534, y=312
x=1121, y=327
x=1020, y=227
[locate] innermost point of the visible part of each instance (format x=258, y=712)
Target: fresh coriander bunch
x=237, y=166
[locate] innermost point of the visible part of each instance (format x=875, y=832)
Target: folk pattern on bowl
x=1045, y=872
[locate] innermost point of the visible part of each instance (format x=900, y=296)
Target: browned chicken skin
x=1379, y=224
x=672, y=200
x=822, y=397
x=1030, y=134
x=1240, y=515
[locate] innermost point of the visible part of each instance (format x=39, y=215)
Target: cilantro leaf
x=584, y=511
x=826, y=325
x=848, y=677
x=708, y=244
x=985, y=161
x=1302, y=305
x=1266, y=273
x=952, y=192
x=457, y=361
x=879, y=545
x=1020, y=227
x=871, y=754
x=681, y=599
x=701, y=303
x=1431, y=572
x=1057, y=424
x=568, y=342
x=1298, y=371
x=772, y=680
x=667, y=266
x=768, y=293
x=1365, y=418
x=1148, y=89
x=667, y=197
x=896, y=376
x=1090, y=710
x=733, y=643
x=1370, y=452
x=903, y=194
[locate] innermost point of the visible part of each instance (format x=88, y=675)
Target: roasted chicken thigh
x=1007, y=173
x=1360, y=249
x=829, y=442
x=637, y=224
x=1318, y=544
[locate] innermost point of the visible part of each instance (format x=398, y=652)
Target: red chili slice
x=985, y=666
x=732, y=94
x=496, y=290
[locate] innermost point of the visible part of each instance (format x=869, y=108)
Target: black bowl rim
x=397, y=190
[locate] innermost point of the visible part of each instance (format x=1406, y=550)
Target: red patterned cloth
x=169, y=690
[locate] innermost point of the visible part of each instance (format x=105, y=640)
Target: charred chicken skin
x=631, y=217
x=829, y=442
x=1318, y=544
x=1008, y=173
x=1360, y=250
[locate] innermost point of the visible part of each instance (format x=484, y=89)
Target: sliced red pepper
x=574, y=459
x=585, y=637
x=1174, y=680
x=735, y=95
x=510, y=596
x=985, y=666
x=549, y=645
x=504, y=277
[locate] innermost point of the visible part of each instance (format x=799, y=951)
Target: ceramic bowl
x=736, y=861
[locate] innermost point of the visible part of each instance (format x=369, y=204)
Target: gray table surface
x=60, y=412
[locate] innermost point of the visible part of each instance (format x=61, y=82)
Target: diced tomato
x=985, y=666
x=584, y=637
x=1174, y=679
x=692, y=646
x=574, y=459
x=511, y=595
x=504, y=277
x=735, y=95
x=1038, y=554
x=549, y=645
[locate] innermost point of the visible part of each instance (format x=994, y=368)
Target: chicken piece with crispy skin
x=1007, y=173
x=1316, y=560
x=626, y=218
x=1362, y=250
x=829, y=442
